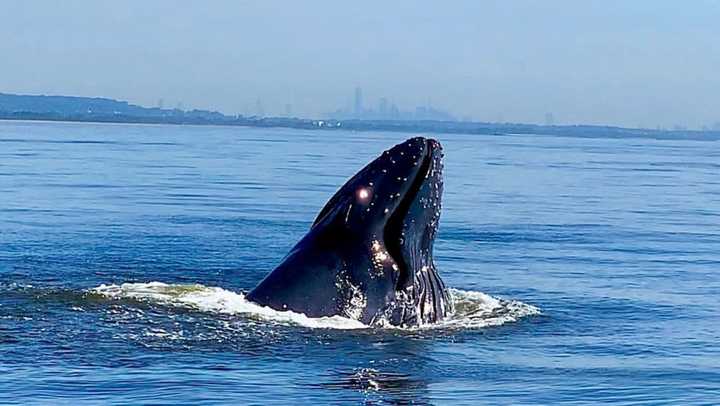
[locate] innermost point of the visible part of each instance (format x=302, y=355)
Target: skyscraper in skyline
x=358, y=107
x=549, y=119
x=383, y=107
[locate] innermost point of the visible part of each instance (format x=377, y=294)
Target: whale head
x=369, y=252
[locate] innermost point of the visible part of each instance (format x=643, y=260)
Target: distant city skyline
x=644, y=63
x=387, y=117
x=386, y=110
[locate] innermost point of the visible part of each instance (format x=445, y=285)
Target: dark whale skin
x=369, y=253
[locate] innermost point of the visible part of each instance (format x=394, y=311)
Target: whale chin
x=369, y=252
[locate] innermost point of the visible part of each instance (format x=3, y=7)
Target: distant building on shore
x=358, y=106
x=387, y=110
x=549, y=119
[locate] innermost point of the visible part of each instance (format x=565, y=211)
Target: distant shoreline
x=75, y=109
x=445, y=127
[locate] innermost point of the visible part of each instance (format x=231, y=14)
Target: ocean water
x=585, y=270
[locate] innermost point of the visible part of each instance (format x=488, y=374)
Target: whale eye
x=364, y=194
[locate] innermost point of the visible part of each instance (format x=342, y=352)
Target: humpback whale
x=368, y=255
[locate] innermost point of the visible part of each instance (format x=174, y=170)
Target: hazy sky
x=632, y=63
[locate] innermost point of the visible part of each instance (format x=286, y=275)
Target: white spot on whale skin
x=363, y=195
x=379, y=253
x=356, y=302
x=347, y=215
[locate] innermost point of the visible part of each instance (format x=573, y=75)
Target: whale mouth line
x=393, y=231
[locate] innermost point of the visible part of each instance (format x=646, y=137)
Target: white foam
x=479, y=310
x=472, y=309
x=218, y=300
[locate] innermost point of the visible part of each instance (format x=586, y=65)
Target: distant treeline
x=182, y=118
x=70, y=106
x=86, y=109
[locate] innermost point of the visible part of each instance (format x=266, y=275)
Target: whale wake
x=472, y=310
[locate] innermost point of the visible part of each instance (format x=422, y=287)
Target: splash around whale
x=368, y=255
x=366, y=262
x=471, y=310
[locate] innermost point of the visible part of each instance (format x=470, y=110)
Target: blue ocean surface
x=584, y=270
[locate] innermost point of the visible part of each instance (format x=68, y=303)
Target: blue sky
x=633, y=63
